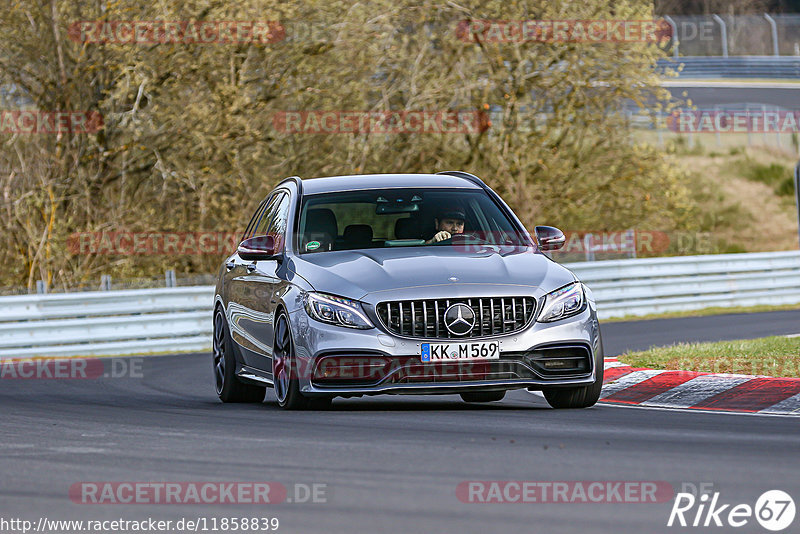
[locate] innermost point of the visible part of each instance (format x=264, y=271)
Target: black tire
x=483, y=396
x=582, y=397
x=284, y=368
x=227, y=385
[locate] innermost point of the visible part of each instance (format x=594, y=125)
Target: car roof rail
x=467, y=176
x=295, y=179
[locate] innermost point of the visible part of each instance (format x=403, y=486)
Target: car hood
x=359, y=273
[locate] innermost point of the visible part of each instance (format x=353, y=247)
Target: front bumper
x=372, y=362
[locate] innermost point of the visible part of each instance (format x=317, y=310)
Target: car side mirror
x=549, y=238
x=257, y=248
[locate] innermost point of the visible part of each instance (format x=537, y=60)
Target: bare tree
x=189, y=140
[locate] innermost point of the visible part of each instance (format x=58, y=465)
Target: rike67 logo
x=774, y=510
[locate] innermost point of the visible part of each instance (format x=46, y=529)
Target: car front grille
x=425, y=318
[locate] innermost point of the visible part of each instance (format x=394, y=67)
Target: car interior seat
x=407, y=228
x=321, y=226
x=357, y=236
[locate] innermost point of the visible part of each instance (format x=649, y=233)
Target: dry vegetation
x=746, y=196
x=189, y=142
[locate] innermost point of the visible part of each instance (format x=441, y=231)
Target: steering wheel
x=462, y=238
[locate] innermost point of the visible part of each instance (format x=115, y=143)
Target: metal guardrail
x=106, y=322
x=179, y=319
x=736, y=35
x=107, y=283
x=734, y=67
x=656, y=285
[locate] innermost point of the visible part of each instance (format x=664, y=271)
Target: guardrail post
x=630, y=238
x=675, y=41
x=170, y=278
x=588, y=247
x=724, y=35
x=775, y=48
x=41, y=287
x=105, y=282
x=749, y=125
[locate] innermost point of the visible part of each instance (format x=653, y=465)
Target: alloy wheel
x=219, y=352
x=281, y=353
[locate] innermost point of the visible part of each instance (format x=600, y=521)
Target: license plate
x=448, y=352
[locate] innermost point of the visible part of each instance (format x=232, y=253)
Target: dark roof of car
x=331, y=184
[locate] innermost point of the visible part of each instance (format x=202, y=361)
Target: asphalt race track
x=731, y=92
x=389, y=464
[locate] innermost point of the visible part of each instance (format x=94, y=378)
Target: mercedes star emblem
x=459, y=319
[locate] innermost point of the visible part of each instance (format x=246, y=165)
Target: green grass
x=722, y=145
x=777, y=356
x=705, y=312
x=779, y=177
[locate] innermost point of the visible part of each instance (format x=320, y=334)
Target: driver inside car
x=448, y=222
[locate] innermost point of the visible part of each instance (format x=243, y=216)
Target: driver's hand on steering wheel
x=440, y=236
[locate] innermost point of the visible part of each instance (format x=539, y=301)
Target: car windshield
x=411, y=217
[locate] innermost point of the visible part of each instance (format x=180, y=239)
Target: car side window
x=280, y=218
x=263, y=217
x=253, y=220
x=269, y=213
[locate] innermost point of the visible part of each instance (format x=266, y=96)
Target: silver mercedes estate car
x=400, y=284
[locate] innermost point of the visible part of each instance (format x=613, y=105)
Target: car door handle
x=251, y=267
x=230, y=265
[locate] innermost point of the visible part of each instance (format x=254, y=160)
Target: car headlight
x=563, y=303
x=336, y=310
